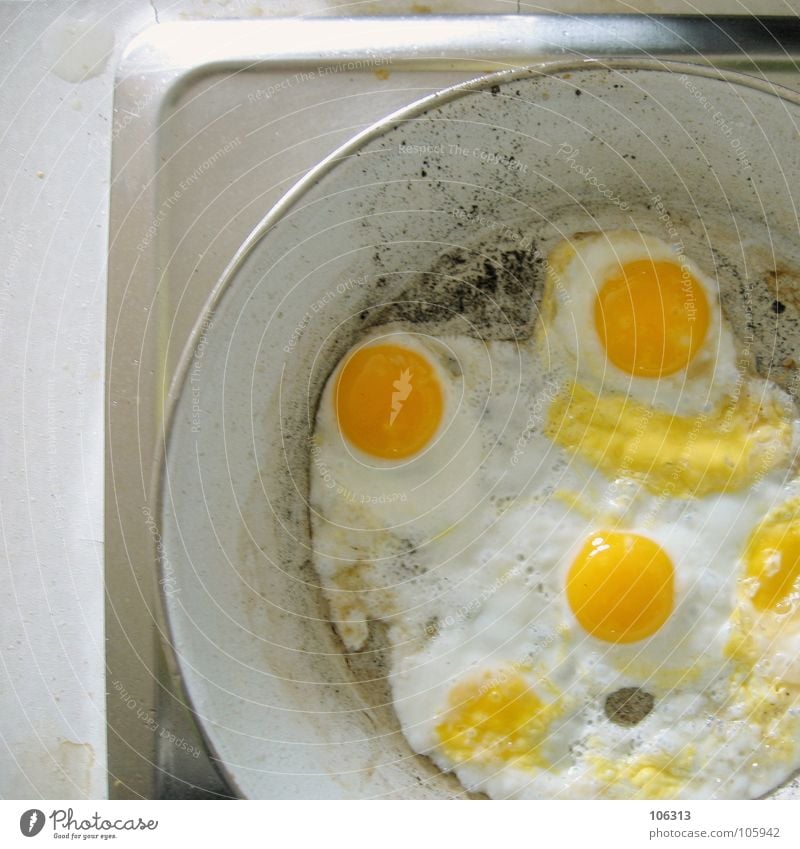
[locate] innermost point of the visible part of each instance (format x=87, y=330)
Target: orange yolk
x=773, y=560
x=388, y=401
x=621, y=587
x=652, y=318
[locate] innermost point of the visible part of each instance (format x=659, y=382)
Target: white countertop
x=56, y=77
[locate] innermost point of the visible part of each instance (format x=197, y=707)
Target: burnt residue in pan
x=763, y=307
x=486, y=291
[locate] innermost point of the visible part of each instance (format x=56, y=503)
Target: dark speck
x=778, y=307
x=578, y=92
x=489, y=280
x=495, y=89
x=491, y=291
x=628, y=706
x=423, y=172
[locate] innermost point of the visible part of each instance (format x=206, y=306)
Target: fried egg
x=629, y=315
x=590, y=587
x=649, y=383
x=768, y=615
x=401, y=468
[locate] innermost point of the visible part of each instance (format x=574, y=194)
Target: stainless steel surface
x=505, y=39
x=243, y=97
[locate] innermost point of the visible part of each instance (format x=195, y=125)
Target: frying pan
x=463, y=192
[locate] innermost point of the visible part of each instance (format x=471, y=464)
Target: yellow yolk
x=773, y=559
x=652, y=317
x=388, y=401
x=676, y=456
x=621, y=587
x=496, y=719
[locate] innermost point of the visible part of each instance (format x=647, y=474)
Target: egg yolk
x=652, y=318
x=773, y=559
x=388, y=401
x=498, y=718
x=621, y=587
